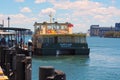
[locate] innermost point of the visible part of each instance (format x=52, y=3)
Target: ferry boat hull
x=62, y=49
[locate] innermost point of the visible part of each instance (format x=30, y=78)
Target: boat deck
x=2, y=76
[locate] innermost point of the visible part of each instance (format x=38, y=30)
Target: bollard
x=49, y=73
x=28, y=66
x=23, y=67
x=2, y=58
x=0, y=54
x=59, y=75
x=45, y=71
x=19, y=73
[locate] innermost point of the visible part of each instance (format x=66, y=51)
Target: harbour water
x=103, y=63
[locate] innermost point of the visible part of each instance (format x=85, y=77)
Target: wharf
x=15, y=59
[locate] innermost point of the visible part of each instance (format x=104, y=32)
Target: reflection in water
x=69, y=59
x=68, y=64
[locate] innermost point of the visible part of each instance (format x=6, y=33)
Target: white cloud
x=85, y=4
x=101, y=18
x=19, y=0
x=80, y=27
x=2, y=17
x=87, y=12
x=20, y=19
x=88, y=8
x=40, y=1
x=47, y=11
x=25, y=10
x=113, y=1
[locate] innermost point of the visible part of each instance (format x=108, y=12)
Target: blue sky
x=81, y=13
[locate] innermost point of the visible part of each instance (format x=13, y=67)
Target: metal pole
x=8, y=27
x=3, y=23
x=8, y=21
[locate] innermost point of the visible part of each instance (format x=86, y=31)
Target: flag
x=70, y=25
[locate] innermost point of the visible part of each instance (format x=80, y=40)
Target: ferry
x=55, y=38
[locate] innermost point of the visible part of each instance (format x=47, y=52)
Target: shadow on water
x=63, y=57
x=62, y=60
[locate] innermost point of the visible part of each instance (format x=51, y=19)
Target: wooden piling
x=45, y=71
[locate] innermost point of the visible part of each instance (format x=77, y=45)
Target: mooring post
x=45, y=71
x=49, y=73
x=20, y=67
x=59, y=75
x=28, y=68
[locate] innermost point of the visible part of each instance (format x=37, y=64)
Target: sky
x=81, y=13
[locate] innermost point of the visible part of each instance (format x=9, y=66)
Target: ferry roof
x=13, y=28
x=46, y=23
x=5, y=33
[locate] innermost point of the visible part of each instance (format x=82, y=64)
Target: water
x=103, y=63
x=27, y=37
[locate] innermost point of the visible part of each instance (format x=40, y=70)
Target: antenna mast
x=50, y=15
x=3, y=23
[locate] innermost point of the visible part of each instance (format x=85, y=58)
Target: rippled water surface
x=103, y=63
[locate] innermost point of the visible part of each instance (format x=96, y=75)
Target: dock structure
x=16, y=64
x=15, y=59
x=2, y=76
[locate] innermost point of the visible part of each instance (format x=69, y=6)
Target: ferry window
x=36, y=27
x=41, y=27
x=60, y=39
x=65, y=27
x=51, y=40
x=46, y=40
x=49, y=27
x=83, y=40
x=55, y=26
x=62, y=27
x=63, y=39
x=68, y=39
x=59, y=27
x=56, y=39
x=77, y=40
x=39, y=40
